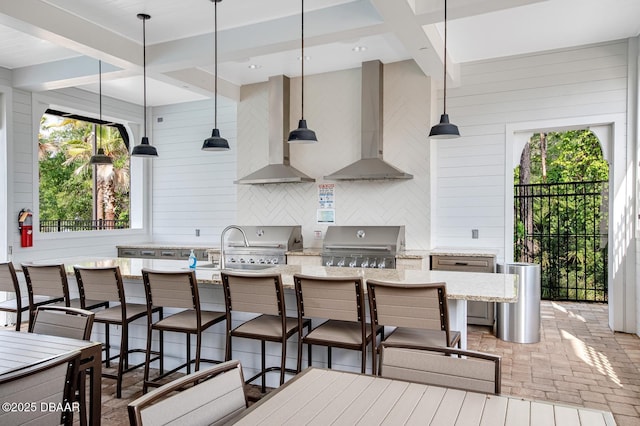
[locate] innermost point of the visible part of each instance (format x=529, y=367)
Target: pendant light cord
x=302, y=59
x=100, y=96
x=444, y=108
x=215, y=82
x=144, y=72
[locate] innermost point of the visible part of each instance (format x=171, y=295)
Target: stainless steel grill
x=267, y=246
x=362, y=246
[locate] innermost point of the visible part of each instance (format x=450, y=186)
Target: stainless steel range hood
x=371, y=166
x=278, y=170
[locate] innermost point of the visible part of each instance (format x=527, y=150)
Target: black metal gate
x=563, y=227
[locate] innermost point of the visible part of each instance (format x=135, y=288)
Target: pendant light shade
x=302, y=134
x=444, y=129
x=215, y=142
x=144, y=149
x=100, y=158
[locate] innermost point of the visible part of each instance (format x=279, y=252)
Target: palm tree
x=76, y=139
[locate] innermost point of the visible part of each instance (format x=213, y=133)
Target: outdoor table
x=320, y=397
x=20, y=349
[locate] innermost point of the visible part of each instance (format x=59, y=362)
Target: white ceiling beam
x=40, y=19
x=432, y=11
x=402, y=21
x=65, y=73
x=200, y=81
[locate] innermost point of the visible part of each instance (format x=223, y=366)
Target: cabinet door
x=478, y=313
x=128, y=252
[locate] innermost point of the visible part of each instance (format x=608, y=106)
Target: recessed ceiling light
x=359, y=48
x=254, y=66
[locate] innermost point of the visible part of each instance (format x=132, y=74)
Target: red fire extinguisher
x=25, y=225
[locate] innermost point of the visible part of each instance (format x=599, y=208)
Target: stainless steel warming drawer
x=478, y=313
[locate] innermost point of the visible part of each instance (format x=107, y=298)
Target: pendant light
x=302, y=134
x=144, y=149
x=215, y=142
x=444, y=129
x=100, y=158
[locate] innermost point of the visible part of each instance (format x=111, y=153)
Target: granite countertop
x=460, y=285
x=166, y=246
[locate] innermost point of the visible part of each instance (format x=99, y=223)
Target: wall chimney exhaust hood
x=278, y=170
x=371, y=166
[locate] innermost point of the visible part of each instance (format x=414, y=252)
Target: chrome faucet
x=222, y=234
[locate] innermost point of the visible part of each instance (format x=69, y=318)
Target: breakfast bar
x=461, y=287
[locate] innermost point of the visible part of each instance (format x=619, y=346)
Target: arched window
x=74, y=194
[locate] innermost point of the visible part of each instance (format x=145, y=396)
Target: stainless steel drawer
x=478, y=313
x=463, y=263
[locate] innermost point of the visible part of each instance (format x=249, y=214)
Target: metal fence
x=563, y=227
x=60, y=225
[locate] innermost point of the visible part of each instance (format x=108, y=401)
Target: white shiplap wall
x=470, y=176
x=192, y=189
x=22, y=179
x=332, y=109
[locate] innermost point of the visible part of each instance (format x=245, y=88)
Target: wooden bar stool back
x=175, y=289
x=261, y=294
x=418, y=311
x=340, y=301
x=51, y=282
x=9, y=284
x=105, y=283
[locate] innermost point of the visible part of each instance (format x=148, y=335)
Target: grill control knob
x=353, y=263
x=262, y=261
x=341, y=262
x=382, y=264
x=365, y=264
x=329, y=262
x=274, y=261
x=373, y=264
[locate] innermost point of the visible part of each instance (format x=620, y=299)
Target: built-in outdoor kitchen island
x=461, y=287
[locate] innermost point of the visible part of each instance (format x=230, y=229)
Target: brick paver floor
x=578, y=360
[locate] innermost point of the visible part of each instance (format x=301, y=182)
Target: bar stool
x=340, y=301
x=9, y=283
x=261, y=294
x=175, y=289
x=418, y=311
x=51, y=282
x=106, y=283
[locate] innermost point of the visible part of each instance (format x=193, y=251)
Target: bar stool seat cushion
x=266, y=326
x=187, y=321
x=334, y=331
x=88, y=303
x=421, y=337
x=11, y=304
x=114, y=314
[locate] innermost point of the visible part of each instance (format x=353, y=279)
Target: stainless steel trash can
x=519, y=322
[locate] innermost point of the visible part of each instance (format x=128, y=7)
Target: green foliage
x=573, y=156
x=561, y=221
x=66, y=177
x=63, y=193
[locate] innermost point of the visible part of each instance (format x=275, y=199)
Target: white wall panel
x=571, y=83
x=192, y=189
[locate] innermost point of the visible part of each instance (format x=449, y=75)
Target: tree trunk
x=527, y=250
x=543, y=155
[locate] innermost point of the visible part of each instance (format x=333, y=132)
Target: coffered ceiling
x=50, y=44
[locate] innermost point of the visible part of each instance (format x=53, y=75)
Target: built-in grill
x=267, y=246
x=362, y=246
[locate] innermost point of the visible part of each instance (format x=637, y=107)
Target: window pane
x=74, y=194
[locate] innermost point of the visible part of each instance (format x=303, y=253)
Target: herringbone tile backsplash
x=332, y=109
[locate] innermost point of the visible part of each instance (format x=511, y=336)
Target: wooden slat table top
x=321, y=396
x=19, y=349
